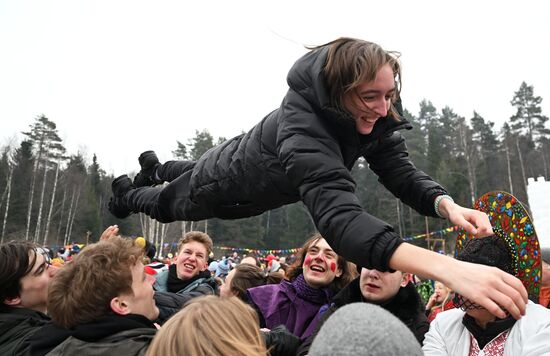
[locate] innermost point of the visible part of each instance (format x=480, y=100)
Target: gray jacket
x=127, y=343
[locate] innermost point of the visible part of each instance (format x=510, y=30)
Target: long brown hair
x=348, y=270
x=248, y=276
x=210, y=326
x=351, y=62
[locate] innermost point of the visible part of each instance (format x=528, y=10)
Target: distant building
x=538, y=193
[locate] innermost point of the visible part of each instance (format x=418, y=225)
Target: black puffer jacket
x=302, y=151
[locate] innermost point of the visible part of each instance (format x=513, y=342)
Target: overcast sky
x=120, y=77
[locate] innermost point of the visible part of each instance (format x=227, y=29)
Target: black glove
x=280, y=342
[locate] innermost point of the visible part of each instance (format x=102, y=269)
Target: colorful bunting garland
x=432, y=234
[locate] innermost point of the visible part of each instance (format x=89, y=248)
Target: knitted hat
x=223, y=267
x=511, y=222
x=364, y=329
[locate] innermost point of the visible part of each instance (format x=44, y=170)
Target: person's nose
x=381, y=107
x=374, y=274
x=150, y=279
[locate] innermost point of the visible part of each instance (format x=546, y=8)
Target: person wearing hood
x=343, y=103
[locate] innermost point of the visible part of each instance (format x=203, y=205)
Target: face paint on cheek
x=307, y=261
x=333, y=266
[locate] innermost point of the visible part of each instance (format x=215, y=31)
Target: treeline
x=55, y=198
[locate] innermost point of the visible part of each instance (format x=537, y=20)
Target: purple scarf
x=293, y=304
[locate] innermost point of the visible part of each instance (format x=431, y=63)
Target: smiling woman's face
x=371, y=100
x=320, y=265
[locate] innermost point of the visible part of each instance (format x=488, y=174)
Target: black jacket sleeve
x=390, y=161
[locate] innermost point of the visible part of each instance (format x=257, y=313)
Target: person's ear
x=204, y=266
x=339, y=271
x=12, y=301
x=120, y=306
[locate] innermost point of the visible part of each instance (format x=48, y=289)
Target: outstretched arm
x=487, y=286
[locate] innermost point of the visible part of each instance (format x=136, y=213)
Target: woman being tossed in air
x=342, y=104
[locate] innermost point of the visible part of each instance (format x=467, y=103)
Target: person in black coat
x=392, y=291
x=343, y=103
x=25, y=274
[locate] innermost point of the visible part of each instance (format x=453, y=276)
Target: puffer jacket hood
x=306, y=78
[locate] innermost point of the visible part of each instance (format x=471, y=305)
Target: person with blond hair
x=440, y=300
x=210, y=326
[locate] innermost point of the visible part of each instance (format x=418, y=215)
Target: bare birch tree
x=49, y=219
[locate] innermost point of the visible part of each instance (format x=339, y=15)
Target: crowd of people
x=106, y=300
x=349, y=290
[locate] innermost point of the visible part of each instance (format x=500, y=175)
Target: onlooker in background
x=148, y=248
x=364, y=329
x=187, y=278
x=211, y=326
x=100, y=303
x=24, y=278
x=317, y=274
x=250, y=260
x=392, y=291
x=223, y=267
x=234, y=259
x=243, y=277
x=440, y=300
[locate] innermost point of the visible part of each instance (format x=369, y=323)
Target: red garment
x=544, y=296
x=437, y=310
x=494, y=348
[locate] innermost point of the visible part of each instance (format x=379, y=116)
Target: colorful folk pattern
x=494, y=348
x=511, y=221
